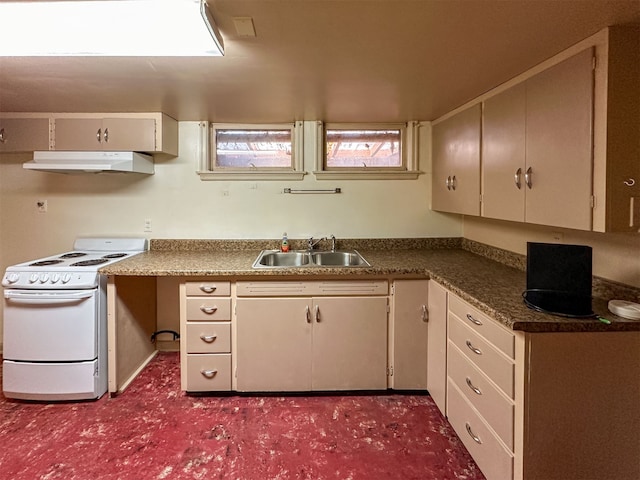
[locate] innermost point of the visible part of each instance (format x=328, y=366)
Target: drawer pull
x=208, y=310
x=208, y=338
x=475, y=350
x=473, y=320
x=425, y=314
x=208, y=288
x=472, y=435
x=475, y=389
x=209, y=373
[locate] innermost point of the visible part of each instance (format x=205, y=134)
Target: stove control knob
x=55, y=277
x=44, y=277
x=33, y=278
x=13, y=277
x=66, y=277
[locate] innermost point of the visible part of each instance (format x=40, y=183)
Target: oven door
x=51, y=325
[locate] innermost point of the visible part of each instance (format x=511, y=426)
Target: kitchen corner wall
x=180, y=205
x=615, y=256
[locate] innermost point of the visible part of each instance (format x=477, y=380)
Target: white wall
x=615, y=256
x=180, y=205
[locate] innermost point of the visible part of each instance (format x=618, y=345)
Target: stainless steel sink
x=339, y=259
x=277, y=259
x=274, y=258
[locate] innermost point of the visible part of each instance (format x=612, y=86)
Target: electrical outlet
x=147, y=225
x=42, y=206
x=557, y=237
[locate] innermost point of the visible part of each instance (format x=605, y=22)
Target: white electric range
x=55, y=321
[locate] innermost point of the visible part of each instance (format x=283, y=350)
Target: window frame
x=408, y=151
x=209, y=171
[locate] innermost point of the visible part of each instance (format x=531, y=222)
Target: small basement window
x=247, y=152
x=368, y=151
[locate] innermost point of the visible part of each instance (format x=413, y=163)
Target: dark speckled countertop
x=491, y=280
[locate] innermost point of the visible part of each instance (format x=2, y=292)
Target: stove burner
x=89, y=263
x=45, y=263
x=73, y=255
x=115, y=255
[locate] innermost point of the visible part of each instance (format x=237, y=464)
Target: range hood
x=91, y=162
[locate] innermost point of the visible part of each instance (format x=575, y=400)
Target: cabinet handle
x=473, y=320
x=307, y=312
x=517, y=178
x=473, y=349
x=527, y=177
x=471, y=434
x=425, y=314
x=99, y=135
x=629, y=182
x=106, y=135
x=208, y=310
x=475, y=389
x=2, y=139
x=448, y=182
x=317, y=313
x=454, y=182
x=208, y=288
x=209, y=373
x=208, y=338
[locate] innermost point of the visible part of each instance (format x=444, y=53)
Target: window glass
x=249, y=148
x=363, y=148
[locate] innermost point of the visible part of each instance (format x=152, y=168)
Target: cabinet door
x=137, y=134
x=456, y=163
x=349, y=343
x=410, y=328
x=24, y=134
x=78, y=134
x=113, y=134
x=559, y=144
x=503, y=155
x=437, y=345
x=273, y=344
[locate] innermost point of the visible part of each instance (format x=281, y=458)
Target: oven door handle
x=48, y=298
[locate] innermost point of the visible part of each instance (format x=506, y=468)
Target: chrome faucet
x=311, y=244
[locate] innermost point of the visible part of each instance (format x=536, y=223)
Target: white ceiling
x=331, y=60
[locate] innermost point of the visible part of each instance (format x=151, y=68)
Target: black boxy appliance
x=559, y=279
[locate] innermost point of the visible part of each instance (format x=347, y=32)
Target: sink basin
x=277, y=259
x=339, y=259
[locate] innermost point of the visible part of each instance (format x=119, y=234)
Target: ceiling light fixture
x=121, y=28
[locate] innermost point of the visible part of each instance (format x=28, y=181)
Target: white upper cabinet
x=537, y=148
x=24, y=134
x=503, y=155
x=559, y=143
x=456, y=163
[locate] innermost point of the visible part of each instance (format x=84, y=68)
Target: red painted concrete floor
x=155, y=431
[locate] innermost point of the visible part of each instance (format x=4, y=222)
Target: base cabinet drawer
x=493, y=405
x=495, y=461
x=208, y=288
x=208, y=372
x=209, y=337
x=208, y=309
x=484, y=355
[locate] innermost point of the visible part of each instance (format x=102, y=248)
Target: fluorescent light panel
x=120, y=28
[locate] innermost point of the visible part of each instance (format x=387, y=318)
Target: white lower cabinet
x=408, y=335
x=304, y=343
x=205, y=332
x=537, y=406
